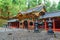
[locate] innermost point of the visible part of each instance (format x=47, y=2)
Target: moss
x=2, y=22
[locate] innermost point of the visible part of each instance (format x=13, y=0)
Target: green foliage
x=7, y=6
x=58, y=6
x=23, y=5
x=48, y=3
x=33, y=3
x=53, y=7
x=2, y=22
x=49, y=7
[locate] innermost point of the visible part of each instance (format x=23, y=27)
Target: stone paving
x=19, y=34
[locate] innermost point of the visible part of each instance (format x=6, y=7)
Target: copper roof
x=50, y=14
x=36, y=9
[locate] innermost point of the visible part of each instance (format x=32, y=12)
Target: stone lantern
x=50, y=31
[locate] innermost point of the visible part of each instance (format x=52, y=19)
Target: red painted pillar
x=19, y=24
x=53, y=24
x=45, y=24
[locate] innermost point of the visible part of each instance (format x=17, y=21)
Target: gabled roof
x=50, y=14
x=36, y=9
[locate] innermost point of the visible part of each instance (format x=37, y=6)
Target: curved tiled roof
x=51, y=14
x=36, y=9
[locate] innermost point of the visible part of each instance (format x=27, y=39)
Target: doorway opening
x=25, y=24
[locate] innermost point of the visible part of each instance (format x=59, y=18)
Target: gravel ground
x=19, y=34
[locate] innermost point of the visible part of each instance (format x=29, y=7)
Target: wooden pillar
x=23, y=24
x=45, y=24
x=33, y=24
x=53, y=24
x=28, y=24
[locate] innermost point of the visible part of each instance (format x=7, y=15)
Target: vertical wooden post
x=53, y=24
x=33, y=23
x=23, y=24
x=28, y=24
x=45, y=24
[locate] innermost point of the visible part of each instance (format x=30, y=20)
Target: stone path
x=19, y=34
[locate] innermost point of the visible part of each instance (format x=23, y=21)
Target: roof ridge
x=35, y=6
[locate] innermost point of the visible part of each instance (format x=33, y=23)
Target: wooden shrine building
x=13, y=23
x=54, y=17
x=27, y=18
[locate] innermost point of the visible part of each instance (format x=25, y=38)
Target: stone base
x=50, y=32
x=36, y=31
